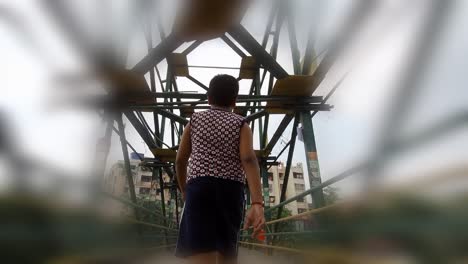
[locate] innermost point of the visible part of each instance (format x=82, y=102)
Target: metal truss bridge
x=134, y=94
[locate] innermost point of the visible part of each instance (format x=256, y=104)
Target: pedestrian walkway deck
x=245, y=256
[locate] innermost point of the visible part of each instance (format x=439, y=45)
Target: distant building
x=296, y=185
x=145, y=188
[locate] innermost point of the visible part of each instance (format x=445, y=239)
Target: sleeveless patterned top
x=215, y=139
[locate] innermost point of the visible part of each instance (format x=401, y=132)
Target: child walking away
x=217, y=148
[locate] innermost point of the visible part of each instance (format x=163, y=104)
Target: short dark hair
x=223, y=90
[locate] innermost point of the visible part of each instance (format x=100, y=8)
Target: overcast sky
x=66, y=137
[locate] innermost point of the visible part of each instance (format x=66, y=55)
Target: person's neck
x=223, y=108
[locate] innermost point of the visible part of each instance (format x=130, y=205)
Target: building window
x=281, y=175
x=132, y=167
x=300, y=200
x=281, y=187
x=270, y=176
x=144, y=190
x=301, y=210
x=298, y=175
x=299, y=187
x=272, y=199
x=270, y=187
x=146, y=178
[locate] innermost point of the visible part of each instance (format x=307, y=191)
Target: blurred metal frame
x=169, y=110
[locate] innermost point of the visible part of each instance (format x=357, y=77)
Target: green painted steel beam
x=305, y=101
x=156, y=134
x=167, y=89
x=157, y=140
x=264, y=135
x=158, y=53
x=131, y=185
x=281, y=152
x=255, y=115
x=251, y=93
x=128, y=144
x=271, y=19
x=102, y=149
x=192, y=47
x=364, y=165
x=266, y=188
x=248, y=42
x=233, y=46
x=274, y=53
x=258, y=89
x=164, y=113
x=169, y=115
x=326, y=183
x=288, y=167
x=357, y=16
x=214, y=67
x=313, y=168
x=193, y=95
x=295, y=54
x=331, y=92
x=278, y=133
x=197, y=82
x=140, y=128
x=289, y=100
x=163, y=202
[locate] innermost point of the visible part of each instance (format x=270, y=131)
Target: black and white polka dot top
x=215, y=139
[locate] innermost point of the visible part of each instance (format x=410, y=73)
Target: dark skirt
x=211, y=217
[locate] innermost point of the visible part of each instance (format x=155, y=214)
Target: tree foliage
x=330, y=194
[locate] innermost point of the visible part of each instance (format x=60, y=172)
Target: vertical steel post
x=102, y=149
x=265, y=185
x=162, y=130
x=309, y=56
x=258, y=89
x=157, y=173
x=176, y=204
x=128, y=170
x=173, y=124
x=266, y=190
x=287, y=171
x=168, y=89
x=274, y=54
x=295, y=54
x=312, y=158
x=100, y=159
x=163, y=203
x=271, y=18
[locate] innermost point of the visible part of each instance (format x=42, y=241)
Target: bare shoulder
x=245, y=130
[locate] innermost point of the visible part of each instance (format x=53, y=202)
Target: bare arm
x=183, y=155
x=250, y=164
x=255, y=216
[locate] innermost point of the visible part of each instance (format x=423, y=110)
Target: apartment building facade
x=145, y=188
x=116, y=181
x=296, y=185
